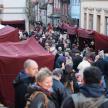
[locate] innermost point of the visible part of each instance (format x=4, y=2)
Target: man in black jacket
x=91, y=94
x=23, y=79
x=58, y=86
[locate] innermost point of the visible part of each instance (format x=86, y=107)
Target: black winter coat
x=88, y=91
x=38, y=101
x=60, y=90
x=21, y=83
x=102, y=65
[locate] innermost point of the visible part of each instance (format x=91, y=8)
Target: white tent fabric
x=1, y=26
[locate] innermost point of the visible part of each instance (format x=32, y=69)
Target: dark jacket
x=103, y=65
x=61, y=59
x=38, y=101
x=76, y=61
x=59, y=89
x=88, y=91
x=20, y=85
x=66, y=79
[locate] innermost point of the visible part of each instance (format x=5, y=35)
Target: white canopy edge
x=1, y=26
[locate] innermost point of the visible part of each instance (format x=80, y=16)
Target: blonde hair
x=42, y=74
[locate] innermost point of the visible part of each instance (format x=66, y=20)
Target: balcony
x=54, y=16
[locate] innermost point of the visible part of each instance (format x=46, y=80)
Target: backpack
x=30, y=99
x=81, y=101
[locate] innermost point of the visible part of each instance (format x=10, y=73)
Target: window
x=85, y=20
x=106, y=28
x=90, y=21
x=98, y=23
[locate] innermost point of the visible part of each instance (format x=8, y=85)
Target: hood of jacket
x=92, y=90
x=23, y=77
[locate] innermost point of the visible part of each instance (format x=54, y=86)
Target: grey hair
x=42, y=74
x=57, y=72
x=29, y=62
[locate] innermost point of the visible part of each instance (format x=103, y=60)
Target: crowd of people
x=79, y=78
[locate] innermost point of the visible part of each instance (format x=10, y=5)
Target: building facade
x=23, y=12
x=65, y=10
x=13, y=13
x=43, y=9
x=94, y=15
x=52, y=11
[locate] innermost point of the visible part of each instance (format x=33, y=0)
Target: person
x=91, y=94
x=41, y=93
x=103, y=66
x=58, y=86
x=101, y=63
x=77, y=59
x=86, y=62
x=69, y=80
x=23, y=79
x=60, y=61
x=68, y=58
